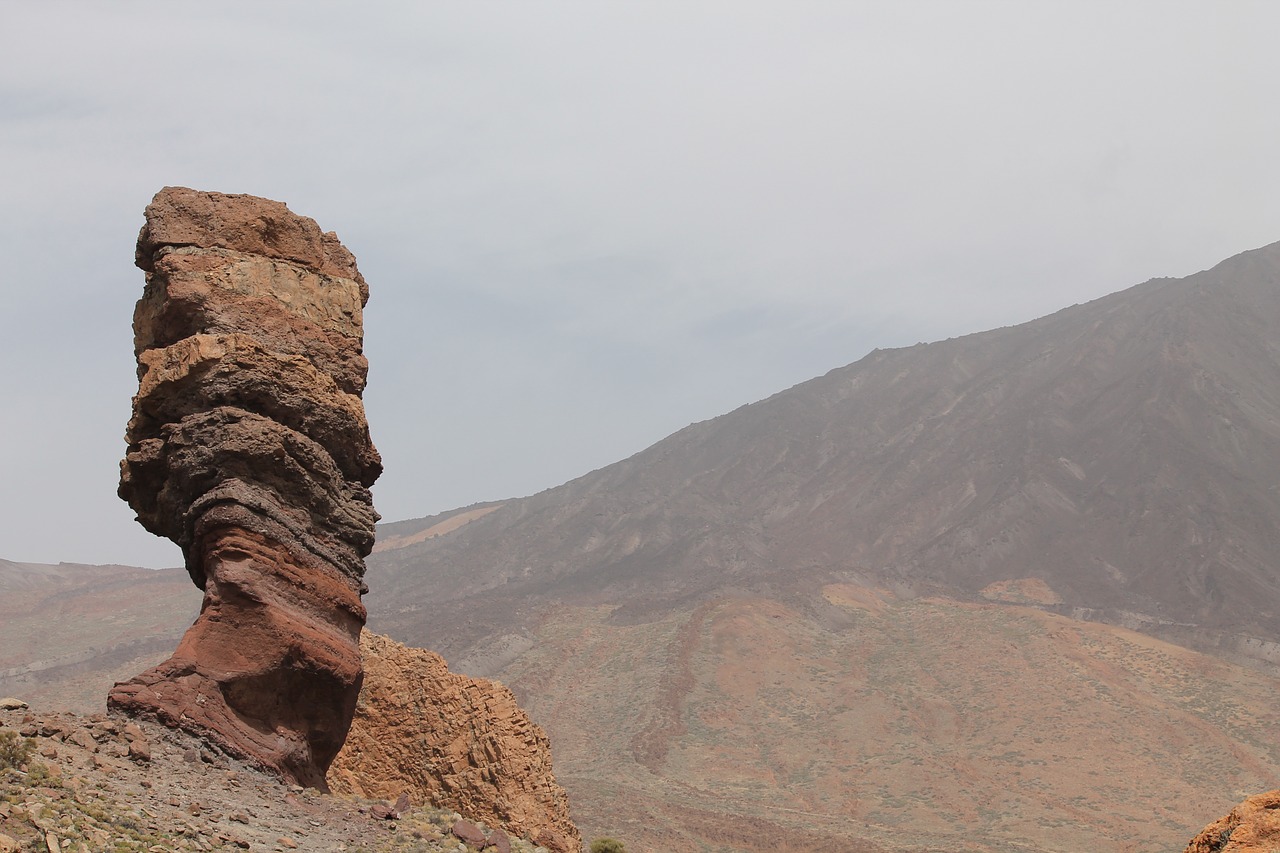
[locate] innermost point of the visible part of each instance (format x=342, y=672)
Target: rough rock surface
x=1252, y=827
x=85, y=790
x=453, y=742
x=248, y=447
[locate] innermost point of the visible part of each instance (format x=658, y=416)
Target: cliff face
x=1252, y=827
x=450, y=741
x=248, y=447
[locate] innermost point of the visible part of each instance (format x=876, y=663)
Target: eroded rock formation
x=248, y=447
x=1251, y=827
x=451, y=741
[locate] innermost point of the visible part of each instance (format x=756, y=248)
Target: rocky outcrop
x=88, y=788
x=248, y=447
x=1252, y=827
x=451, y=741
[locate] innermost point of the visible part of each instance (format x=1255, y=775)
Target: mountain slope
x=850, y=614
x=746, y=723
x=1124, y=452
x=68, y=631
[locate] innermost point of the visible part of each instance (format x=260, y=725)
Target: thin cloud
x=588, y=225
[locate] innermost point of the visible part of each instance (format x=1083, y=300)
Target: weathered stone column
x=248, y=447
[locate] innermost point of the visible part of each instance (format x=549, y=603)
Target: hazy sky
x=586, y=225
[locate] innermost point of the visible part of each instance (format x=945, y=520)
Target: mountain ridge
x=895, y=469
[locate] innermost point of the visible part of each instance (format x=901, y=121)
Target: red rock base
x=270, y=671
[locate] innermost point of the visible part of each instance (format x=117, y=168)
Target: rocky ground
x=99, y=783
x=1251, y=827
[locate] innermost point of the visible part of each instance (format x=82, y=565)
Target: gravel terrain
x=99, y=783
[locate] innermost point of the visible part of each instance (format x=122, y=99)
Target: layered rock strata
x=249, y=448
x=453, y=742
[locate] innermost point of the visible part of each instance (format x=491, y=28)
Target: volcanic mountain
x=1118, y=459
x=893, y=604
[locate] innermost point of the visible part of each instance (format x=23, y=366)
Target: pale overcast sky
x=587, y=225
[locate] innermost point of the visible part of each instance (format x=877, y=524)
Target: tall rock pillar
x=248, y=447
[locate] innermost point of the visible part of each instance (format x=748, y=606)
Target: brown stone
x=555, y=842
x=452, y=741
x=82, y=738
x=248, y=447
x=179, y=217
x=139, y=750
x=498, y=842
x=230, y=262
x=1251, y=827
x=468, y=832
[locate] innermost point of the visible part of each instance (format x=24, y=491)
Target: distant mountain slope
x=821, y=618
x=747, y=724
x=1125, y=453
x=67, y=631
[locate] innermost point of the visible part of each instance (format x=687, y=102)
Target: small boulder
x=498, y=842
x=140, y=750
x=10, y=704
x=554, y=841
x=468, y=832
x=82, y=738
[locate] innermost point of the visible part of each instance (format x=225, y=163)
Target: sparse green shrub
x=38, y=774
x=608, y=845
x=14, y=750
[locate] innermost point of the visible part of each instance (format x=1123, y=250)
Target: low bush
x=14, y=750
x=608, y=845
